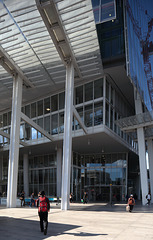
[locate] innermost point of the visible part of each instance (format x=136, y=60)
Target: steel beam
x=37, y=127
x=78, y=118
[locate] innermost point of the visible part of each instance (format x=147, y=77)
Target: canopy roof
x=38, y=49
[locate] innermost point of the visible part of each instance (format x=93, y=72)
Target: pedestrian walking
x=85, y=197
x=43, y=209
x=148, y=197
x=32, y=202
x=131, y=202
x=22, y=198
x=71, y=198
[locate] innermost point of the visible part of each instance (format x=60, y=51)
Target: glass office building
x=90, y=172
x=104, y=161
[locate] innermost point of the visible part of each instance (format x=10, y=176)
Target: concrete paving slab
x=97, y=221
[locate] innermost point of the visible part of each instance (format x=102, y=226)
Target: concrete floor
x=90, y=221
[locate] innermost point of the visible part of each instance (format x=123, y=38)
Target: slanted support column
x=142, y=153
x=26, y=174
x=150, y=155
x=14, y=143
x=67, y=145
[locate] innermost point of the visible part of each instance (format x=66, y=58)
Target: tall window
x=40, y=107
x=54, y=103
x=88, y=91
x=54, y=124
x=98, y=88
x=33, y=110
x=79, y=95
x=61, y=100
x=47, y=105
x=88, y=115
x=61, y=122
x=98, y=113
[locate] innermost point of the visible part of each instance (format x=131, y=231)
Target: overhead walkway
x=130, y=124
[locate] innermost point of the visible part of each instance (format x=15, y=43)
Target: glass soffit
x=25, y=38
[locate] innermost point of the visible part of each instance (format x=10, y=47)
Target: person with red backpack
x=131, y=202
x=43, y=209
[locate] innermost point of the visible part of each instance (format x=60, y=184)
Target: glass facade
x=90, y=173
x=95, y=174
x=48, y=113
x=42, y=174
x=111, y=35
x=97, y=103
x=104, y=10
x=140, y=47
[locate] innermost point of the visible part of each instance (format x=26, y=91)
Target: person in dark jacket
x=85, y=198
x=22, y=198
x=43, y=209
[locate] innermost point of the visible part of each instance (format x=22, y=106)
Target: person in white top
x=148, y=197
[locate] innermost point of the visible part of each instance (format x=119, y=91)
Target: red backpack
x=43, y=204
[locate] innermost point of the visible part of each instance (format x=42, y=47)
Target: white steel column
x=14, y=143
x=142, y=154
x=59, y=171
x=26, y=174
x=150, y=155
x=67, y=145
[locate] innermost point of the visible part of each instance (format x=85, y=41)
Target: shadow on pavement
x=17, y=229
x=84, y=234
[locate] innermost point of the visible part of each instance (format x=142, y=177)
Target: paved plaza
x=90, y=221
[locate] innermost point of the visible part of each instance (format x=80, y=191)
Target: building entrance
x=102, y=176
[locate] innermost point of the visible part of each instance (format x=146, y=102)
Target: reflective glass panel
x=9, y=118
x=5, y=119
x=1, y=121
x=61, y=100
x=98, y=113
x=88, y=91
x=108, y=175
x=22, y=131
x=27, y=110
x=98, y=88
x=33, y=110
x=79, y=95
x=54, y=103
x=88, y=114
x=54, y=124
x=52, y=161
x=40, y=107
x=107, y=115
x=27, y=131
x=46, y=161
x=61, y=122
x=107, y=90
x=47, y=108
x=40, y=123
x=47, y=124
